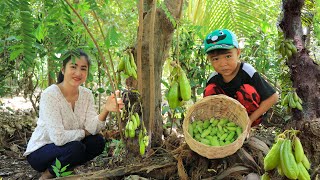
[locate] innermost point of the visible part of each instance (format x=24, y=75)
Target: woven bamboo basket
x=217, y=106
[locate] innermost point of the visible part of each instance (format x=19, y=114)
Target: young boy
x=236, y=79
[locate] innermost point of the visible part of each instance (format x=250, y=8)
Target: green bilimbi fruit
x=295, y=97
x=127, y=67
x=185, y=88
x=280, y=171
x=121, y=65
x=132, y=63
x=294, y=49
x=132, y=133
x=285, y=100
x=298, y=149
x=138, y=119
x=306, y=162
x=287, y=160
x=265, y=176
x=134, y=122
x=303, y=173
x=173, y=95
x=292, y=103
x=142, y=148
x=272, y=159
x=299, y=106
x=288, y=52
x=130, y=125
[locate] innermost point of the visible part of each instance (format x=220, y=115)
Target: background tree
x=162, y=37
x=305, y=76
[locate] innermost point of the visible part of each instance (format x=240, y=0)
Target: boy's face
x=225, y=62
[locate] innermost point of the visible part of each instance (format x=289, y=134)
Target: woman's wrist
x=103, y=115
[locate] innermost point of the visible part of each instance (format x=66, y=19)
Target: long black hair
x=69, y=55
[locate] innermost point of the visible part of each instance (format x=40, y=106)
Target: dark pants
x=73, y=153
x=246, y=95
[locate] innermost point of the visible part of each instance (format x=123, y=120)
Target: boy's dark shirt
x=246, y=75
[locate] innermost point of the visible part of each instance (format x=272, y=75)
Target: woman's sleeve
x=51, y=118
x=92, y=123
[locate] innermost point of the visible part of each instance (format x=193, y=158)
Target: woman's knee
x=100, y=141
x=35, y=164
x=76, y=148
x=94, y=144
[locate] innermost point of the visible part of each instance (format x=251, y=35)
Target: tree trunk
x=162, y=37
x=305, y=75
x=51, y=80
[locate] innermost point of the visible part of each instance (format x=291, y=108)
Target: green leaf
x=58, y=164
x=200, y=91
x=100, y=90
x=15, y=54
x=66, y=173
x=56, y=170
x=64, y=168
x=165, y=109
x=112, y=38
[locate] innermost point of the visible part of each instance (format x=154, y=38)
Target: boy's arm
x=264, y=107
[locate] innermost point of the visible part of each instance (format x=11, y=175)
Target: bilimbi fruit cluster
x=180, y=89
x=287, y=155
x=292, y=100
x=132, y=126
x=214, y=132
x=128, y=65
x=287, y=48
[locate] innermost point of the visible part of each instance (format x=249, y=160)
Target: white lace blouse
x=59, y=124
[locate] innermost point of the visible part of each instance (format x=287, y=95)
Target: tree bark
x=163, y=33
x=305, y=76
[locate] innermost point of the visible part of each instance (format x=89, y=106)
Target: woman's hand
x=111, y=105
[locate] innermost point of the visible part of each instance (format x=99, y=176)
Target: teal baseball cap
x=220, y=39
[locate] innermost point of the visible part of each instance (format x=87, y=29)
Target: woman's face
x=76, y=72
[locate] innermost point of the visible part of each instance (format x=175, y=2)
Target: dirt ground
x=171, y=161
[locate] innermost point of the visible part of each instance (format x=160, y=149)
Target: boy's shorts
x=246, y=95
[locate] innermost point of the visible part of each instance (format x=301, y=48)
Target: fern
x=27, y=31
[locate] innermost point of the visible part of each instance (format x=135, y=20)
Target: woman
x=68, y=125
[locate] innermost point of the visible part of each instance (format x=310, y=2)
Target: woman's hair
x=70, y=54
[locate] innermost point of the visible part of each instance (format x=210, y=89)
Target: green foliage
x=168, y=14
x=191, y=58
x=316, y=19
x=59, y=170
x=27, y=31
x=115, y=147
x=33, y=35
x=241, y=16
x=112, y=37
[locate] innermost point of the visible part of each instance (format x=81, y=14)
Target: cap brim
x=220, y=47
